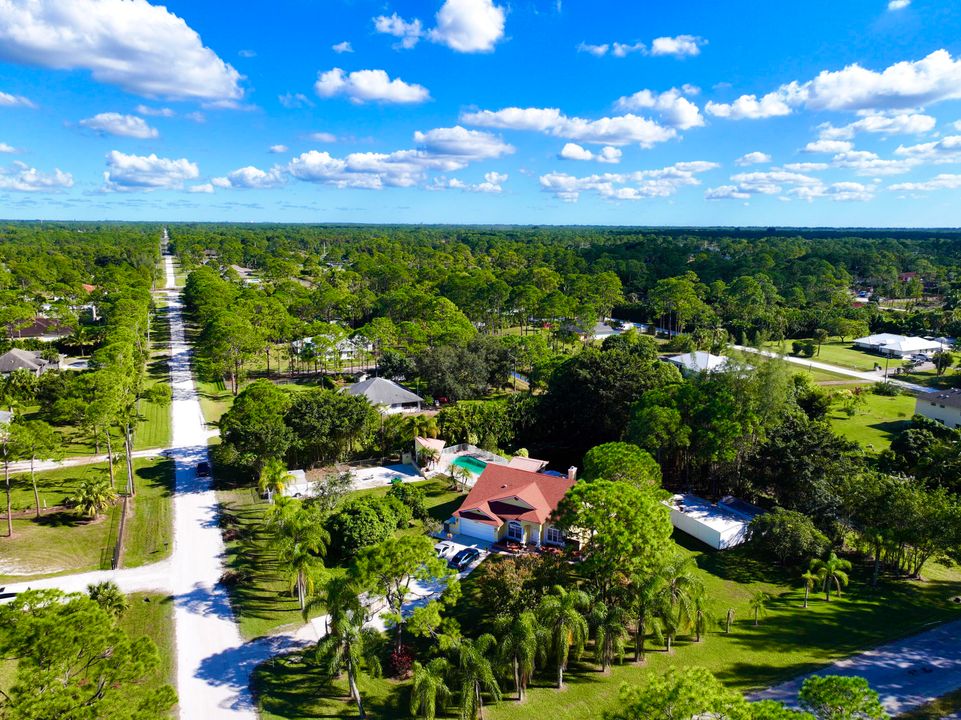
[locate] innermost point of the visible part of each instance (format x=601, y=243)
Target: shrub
x=886, y=389
x=362, y=522
x=412, y=496
x=788, y=535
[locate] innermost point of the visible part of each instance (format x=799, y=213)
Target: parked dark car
x=463, y=559
x=203, y=469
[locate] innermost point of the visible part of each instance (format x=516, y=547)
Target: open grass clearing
x=877, y=423
x=262, y=600
x=61, y=542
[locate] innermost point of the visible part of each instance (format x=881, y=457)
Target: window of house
x=515, y=531
x=554, y=536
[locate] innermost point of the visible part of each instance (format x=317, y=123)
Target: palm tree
x=758, y=604
x=299, y=538
x=109, y=597
x=429, y=688
x=700, y=619
x=476, y=674
x=808, y=578
x=346, y=646
x=831, y=572
x=681, y=585
x=460, y=477
x=610, y=634
x=728, y=621
x=520, y=639
x=645, y=593
x=561, y=614
x=93, y=497
x=7, y=450
x=273, y=478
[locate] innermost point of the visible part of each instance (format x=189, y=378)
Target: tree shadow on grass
x=160, y=475
x=62, y=519
x=740, y=564
x=892, y=427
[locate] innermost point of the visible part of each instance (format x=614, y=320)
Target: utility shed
x=720, y=526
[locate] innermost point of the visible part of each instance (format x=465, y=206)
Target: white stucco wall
x=931, y=408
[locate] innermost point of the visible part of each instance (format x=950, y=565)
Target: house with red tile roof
x=509, y=503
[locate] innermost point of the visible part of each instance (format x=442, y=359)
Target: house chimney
x=572, y=473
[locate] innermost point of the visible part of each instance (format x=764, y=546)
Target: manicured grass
x=262, y=599
x=152, y=615
x=215, y=400
x=149, y=535
x=876, y=424
x=817, y=375
x=61, y=542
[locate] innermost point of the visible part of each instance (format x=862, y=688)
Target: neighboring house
x=511, y=504
x=42, y=328
x=386, y=395
x=433, y=447
x=30, y=360
x=527, y=463
x=347, y=352
x=719, y=526
x=697, y=362
x=945, y=407
x=897, y=345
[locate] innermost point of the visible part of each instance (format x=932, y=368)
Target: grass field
x=263, y=601
x=788, y=641
x=215, y=400
x=875, y=425
x=940, y=708
x=61, y=542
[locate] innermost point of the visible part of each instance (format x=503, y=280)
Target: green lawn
x=875, y=425
x=788, y=641
x=152, y=615
x=215, y=399
x=262, y=599
x=815, y=374
x=61, y=542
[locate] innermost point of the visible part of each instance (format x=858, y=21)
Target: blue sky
x=483, y=111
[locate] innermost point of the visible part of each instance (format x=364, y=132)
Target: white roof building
x=698, y=361
x=386, y=395
x=897, y=345
x=720, y=526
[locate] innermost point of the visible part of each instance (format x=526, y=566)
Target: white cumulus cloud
x=20, y=177
x=944, y=181
x=155, y=112
x=144, y=49
x=8, y=100
x=5, y=148
x=828, y=146
x=202, y=188
x=131, y=173
x=278, y=149
x=881, y=124
x=938, y=152
x=408, y=32
x=112, y=123
x=618, y=130
x=903, y=85
x=459, y=142
x=324, y=137
x=898, y=4
x=251, y=178
x=469, y=26
x=753, y=158
x=638, y=185
x=363, y=86
x=573, y=151
x=672, y=107
x=680, y=46
x=342, y=47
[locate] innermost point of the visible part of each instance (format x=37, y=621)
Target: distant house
x=897, y=345
x=347, y=352
x=697, y=362
x=29, y=360
x=386, y=395
x=908, y=276
x=511, y=504
x=42, y=328
x=719, y=526
x=945, y=407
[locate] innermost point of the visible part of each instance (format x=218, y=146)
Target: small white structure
x=897, y=345
x=945, y=407
x=698, y=362
x=720, y=526
x=297, y=485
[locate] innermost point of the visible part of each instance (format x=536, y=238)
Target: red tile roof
x=500, y=492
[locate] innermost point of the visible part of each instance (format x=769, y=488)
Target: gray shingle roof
x=380, y=391
x=17, y=359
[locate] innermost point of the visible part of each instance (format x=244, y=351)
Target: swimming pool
x=470, y=463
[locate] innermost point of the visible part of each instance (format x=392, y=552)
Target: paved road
x=816, y=365
x=907, y=674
